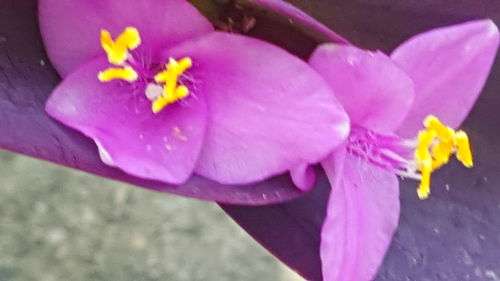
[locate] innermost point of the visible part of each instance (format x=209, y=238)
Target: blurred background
x=61, y=224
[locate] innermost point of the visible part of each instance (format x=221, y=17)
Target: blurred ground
x=60, y=224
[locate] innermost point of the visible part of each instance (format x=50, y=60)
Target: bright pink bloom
x=254, y=110
x=440, y=72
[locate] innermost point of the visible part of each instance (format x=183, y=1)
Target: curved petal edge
x=362, y=216
x=449, y=67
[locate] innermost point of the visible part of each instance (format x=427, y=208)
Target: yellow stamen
x=117, y=50
x=443, y=133
x=435, y=146
x=175, y=68
x=424, y=161
x=181, y=92
x=172, y=92
x=424, y=189
x=464, y=153
x=127, y=73
x=441, y=153
x=425, y=139
x=159, y=104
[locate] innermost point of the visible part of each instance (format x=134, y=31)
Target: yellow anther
x=435, y=145
x=163, y=76
x=441, y=153
x=181, y=92
x=425, y=139
x=464, y=153
x=424, y=161
x=424, y=189
x=159, y=104
x=174, y=69
x=117, y=50
x=443, y=133
x=182, y=65
x=172, y=92
x=127, y=73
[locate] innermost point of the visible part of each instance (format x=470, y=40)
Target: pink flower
x=441, y=73
x=244, y=110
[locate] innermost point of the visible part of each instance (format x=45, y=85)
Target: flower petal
x=375, y=92
x=118, y=117
x=449, y=67
x=25, y=84
x=362, y=215
x=71, y=29
x=290, y=230
x=268, y=110
x=303, y=176
x=299, y=17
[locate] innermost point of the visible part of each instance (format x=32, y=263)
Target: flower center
x=162, y=89
x=172, y=92
x=417, y=158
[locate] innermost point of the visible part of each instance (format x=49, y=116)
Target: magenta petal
x=118, y=117
x=449, y=67
x=303, y=176
x=362, y=215
x=71, y=29
x=268, y=110
x=295, y=14
x=375, y=92
x=25, y=84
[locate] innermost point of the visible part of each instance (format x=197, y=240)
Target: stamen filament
x=412, y=158
x=410, y=174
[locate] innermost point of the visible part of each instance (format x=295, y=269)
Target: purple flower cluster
x=167, y=98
